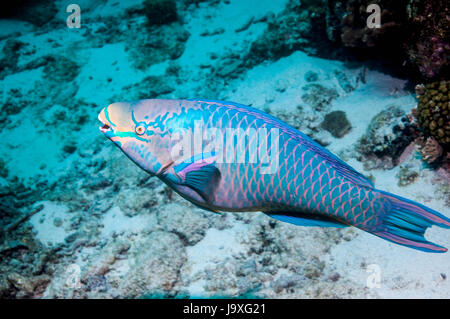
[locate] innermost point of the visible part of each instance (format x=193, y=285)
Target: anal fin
x=305, y=219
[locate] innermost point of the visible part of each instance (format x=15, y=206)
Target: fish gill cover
x=78, y=219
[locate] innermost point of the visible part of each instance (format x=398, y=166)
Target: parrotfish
x=224, y=156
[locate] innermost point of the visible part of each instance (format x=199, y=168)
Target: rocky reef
x=411, y=32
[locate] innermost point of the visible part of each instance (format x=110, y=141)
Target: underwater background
x=80, y=220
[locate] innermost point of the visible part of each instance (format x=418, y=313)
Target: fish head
x=137, y=129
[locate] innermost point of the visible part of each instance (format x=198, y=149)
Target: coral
x=142, y=201
x=413, y=33
x=311, y=76
x=343, y=81
x=387, y=135
x=11, y=52
x=57, y=69
x=433, y=111
x=336, y=123
x=69, y=148
x=273, y=263
x=356, y=33
x=318, y=96
x=190, y=225
x=430, y=150
x=60, y=68
x=428, y=45
x=406, y=175
x=306, y=122
x=154, y=266
x=150, y=87
x=35, y=12
x=9, y=108
x=157, y=45
x=298, y=27
x=160, y=11
x=28, y=286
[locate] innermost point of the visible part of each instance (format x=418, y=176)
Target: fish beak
x=106, y=125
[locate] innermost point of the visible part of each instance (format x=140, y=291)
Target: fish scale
x=310, y=186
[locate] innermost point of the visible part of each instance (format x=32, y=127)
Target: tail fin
x=406, y=222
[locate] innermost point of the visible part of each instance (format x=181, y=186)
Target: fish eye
x=140, y=129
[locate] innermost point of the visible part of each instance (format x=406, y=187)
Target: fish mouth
x=106, y=125
x=105, y=128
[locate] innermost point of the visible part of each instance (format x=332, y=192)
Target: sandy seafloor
x=107, y=230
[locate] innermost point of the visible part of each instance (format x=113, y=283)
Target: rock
x=247, y=268
x=387, y=135
x=406, y=175
x=96, y=283
x=245, y=25
x=287, y=281
x=27, y=286
x=160, y=11
x=11, y=53
x=59, y=68
x=156, y=45
x=12, y=245
x=336, y=123
x=98, y=182
x=137, y=201
x=4, y=174
x=229, y=68
x=149, y=88
x=343, y=81
x=212, y=32
x=281, y=85
x=322, y=137
x=334, y=277
x=154, y=266
x=295, y=28
x=311, y=76
x=318, y=96
x=35, y=12
x=57, y=222
x=189, y=224
x=69, y=148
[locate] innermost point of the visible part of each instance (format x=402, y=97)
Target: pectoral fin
x=204, y=181
x=200, y=174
